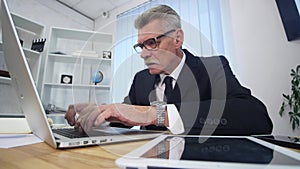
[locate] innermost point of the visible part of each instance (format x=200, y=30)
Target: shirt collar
x=177, y=70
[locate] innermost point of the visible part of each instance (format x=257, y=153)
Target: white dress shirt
x=175, y=122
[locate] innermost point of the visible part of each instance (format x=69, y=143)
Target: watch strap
x=160, y=112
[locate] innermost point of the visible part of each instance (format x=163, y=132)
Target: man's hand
x=90, y=115
x=80, y=112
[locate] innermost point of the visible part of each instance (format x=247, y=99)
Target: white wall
x=257, y=48
x=122, y=78
x=109, y=24
x=262, y=54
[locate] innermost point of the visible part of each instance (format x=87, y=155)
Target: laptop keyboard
x=70, y=133
x=76, y=133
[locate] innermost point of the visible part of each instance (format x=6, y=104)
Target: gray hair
x=168, y=17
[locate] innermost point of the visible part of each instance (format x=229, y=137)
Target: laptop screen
x=22, y=80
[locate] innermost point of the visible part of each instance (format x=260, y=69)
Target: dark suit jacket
x=211, y=100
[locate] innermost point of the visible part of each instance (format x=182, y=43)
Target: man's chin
x=154, y=71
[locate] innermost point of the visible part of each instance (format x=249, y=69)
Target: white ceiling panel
x=118, y=2
x=70, y=3
x=93, y=8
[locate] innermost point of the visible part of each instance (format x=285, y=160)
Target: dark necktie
x=168, y=89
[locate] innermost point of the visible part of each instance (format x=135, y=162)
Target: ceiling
x=93, y=8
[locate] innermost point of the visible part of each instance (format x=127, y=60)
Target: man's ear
x=179, y=38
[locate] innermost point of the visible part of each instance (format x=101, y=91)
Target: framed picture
x=66, y=79
x=107, y=54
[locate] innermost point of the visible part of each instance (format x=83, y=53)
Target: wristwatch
x=160, y=112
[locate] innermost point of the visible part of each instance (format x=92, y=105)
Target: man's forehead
x=142, y=36
x=153, y=27
x=146, y=34
x=149, y=33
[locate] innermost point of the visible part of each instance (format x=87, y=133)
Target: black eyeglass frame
x=142, y=45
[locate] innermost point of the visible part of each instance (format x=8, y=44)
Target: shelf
x=33, y=60
x=27, y=30
x=68, y=58
x=63, y=58
x=91, y=60
x=5, y=80
x=31, y=52
x=25, y=50
x=57, y=85
x=81, y=35
x=27, y=24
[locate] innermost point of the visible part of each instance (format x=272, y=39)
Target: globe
x=97, y=77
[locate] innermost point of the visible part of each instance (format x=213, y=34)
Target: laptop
x=31, y=104
x=213, y=152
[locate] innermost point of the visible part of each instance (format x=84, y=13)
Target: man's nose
x=145, y=53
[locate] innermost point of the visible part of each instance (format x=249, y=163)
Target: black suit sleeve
x=231, y=110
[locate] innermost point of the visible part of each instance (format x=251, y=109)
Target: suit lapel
x=187, y=78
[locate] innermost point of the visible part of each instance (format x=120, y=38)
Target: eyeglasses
x=150, y=44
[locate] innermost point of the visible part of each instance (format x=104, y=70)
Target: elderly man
x=178, y=91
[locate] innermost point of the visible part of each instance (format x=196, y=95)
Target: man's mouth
x=151, y=62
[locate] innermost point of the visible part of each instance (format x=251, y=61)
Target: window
x=202, y=25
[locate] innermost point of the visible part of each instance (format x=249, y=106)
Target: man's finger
x=70, y=115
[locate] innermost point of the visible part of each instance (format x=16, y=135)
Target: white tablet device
x=228, y=152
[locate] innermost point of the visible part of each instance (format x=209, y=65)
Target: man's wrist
x=160, y=107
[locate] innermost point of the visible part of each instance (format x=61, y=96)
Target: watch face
x=158, y=103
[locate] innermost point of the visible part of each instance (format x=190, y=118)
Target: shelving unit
x=60, y=60
x=27, y=31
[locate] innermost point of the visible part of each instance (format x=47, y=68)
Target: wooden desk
x=40, y=156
